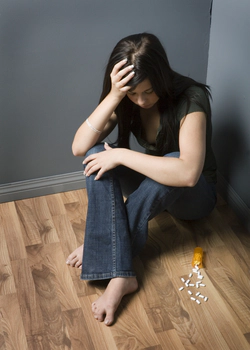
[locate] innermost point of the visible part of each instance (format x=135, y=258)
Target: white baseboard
x=41, y=186
x=234, y=201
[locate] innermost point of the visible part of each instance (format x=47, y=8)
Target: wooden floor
x=44, y=304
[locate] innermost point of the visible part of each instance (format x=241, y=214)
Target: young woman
x=170, y=116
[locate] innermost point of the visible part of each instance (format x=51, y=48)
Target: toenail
x=67, y=262
x=96, y=317
x=106, y=322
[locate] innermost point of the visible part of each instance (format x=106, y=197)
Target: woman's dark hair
x=150, y=61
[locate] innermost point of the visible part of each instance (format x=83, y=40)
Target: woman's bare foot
x=75, y=258
x=105, y=306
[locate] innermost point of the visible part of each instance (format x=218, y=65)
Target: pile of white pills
x=197, y=284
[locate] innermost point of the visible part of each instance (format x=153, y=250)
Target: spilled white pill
x=190, y=275
x=189, y=292
x=183, y=280
x=192, y=298
x=201, y=296
x=197, y=301
x=202, y=285
x=191, y=285
x=206, y=299
x=181, y=288
x=197, y=294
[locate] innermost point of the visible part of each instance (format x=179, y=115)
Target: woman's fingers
x=119, y=82
x=125, y=80
x=125, y=71
x=118, y=66
x=120, y=77
x=117, y=73
x=91, y=168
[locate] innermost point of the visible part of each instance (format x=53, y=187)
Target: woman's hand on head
x=120, y=77
x=101, y=162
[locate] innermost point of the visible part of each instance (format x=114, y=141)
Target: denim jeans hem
x=105, y=276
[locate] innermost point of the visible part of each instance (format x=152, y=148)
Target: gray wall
x=52, y=59
x=229, y=77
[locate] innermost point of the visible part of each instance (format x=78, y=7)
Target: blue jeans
x=116, y=230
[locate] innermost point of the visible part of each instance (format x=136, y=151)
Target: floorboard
x=45, y=306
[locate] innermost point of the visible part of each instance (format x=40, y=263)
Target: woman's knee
x=149, y=188
x=173, y=154
x=99, y=147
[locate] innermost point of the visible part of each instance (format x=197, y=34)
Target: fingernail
x=132, y=66
x=106, y=322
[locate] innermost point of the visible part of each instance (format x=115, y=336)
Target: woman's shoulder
x=195, y=98
x=196, y=91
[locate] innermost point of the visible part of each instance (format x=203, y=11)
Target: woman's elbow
x=76, y=151
x=192, y=183
x=192, y=179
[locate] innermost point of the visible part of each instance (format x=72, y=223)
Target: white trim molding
x=42, y=186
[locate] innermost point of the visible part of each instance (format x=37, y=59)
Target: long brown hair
x=150, y=61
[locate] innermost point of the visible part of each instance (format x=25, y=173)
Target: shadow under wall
x=231, y=150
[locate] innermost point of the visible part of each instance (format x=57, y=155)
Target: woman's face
x=143, y=95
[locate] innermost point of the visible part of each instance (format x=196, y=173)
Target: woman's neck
x=150, y=121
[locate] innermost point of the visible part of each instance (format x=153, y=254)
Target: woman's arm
x=103, y=120
x=182, y=171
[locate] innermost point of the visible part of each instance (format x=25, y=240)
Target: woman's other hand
x=101, y=162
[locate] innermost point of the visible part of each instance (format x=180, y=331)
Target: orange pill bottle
x=197, y=258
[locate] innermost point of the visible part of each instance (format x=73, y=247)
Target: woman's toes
x=75, y=258
x=78, y=264
x=109, y=319
x=72, y=261
x=100, y=317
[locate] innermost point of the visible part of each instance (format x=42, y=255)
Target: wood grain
x=12, y=330
x=44, y=305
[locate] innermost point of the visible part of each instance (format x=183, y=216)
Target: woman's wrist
x=123, y=153
x=114, y=98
